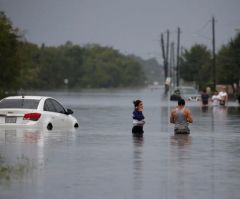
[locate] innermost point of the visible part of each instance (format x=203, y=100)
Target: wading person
x=181, y=117
x=223, y=96
x=238, y=97
x=204, y=97
x=215, y=99
x=138, y=118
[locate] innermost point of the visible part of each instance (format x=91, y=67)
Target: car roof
x=27, y=97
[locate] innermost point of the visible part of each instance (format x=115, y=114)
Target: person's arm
x=188, y=116
x=173, y=117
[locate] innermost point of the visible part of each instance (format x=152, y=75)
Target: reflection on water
x=101, y=159
x=181, y=140
x=28, y=144
x=14, y=170
x=179, y=163
x=34, y=136
x=204, y=108
x=21, y=135
x=138, y=141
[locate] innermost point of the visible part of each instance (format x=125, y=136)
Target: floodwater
x=102, y=160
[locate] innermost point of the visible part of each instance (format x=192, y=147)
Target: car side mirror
x=69, y=111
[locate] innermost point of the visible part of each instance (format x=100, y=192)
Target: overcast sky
x=132, y=26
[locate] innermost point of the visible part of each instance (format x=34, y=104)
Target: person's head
x=181, y=102
x=138, y=104
x=223, y=88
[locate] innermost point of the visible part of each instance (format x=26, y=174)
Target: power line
x=200, y=31
x=204, y=26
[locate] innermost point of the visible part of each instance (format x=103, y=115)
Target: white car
x=190, y=94
x=35, y=111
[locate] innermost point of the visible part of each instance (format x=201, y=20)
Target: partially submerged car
x=35, y=111
x=186, y=93
x=190, y=94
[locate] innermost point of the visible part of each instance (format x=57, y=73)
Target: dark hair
x=181, y=102
x=137, y=102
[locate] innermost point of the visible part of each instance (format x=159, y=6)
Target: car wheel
x=49, y=126
x=76, y=125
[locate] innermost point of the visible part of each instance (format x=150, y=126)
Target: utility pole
x=213, y=54
x=172, y=60
x=165, y=55
x=178, y=49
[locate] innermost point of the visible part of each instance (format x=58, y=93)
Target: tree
x=9, y=60
x=29, y=57
x=25, y=65
x=195, y=65
x=228, y=62
x=106, y=67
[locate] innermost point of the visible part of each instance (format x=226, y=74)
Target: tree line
x=73, y=66
x=196, y=64
x=26, y=65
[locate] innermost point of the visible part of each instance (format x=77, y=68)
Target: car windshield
x=19, y=103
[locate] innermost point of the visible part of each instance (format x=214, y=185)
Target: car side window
x=58, y=107
x=48, y=106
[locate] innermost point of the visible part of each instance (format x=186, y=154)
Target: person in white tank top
x=215, y=99
x=223, y=96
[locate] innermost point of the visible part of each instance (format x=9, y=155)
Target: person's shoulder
x=187, y=110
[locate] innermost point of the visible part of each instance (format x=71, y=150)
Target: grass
x=14, y=171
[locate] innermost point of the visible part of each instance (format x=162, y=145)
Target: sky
x=131, y=26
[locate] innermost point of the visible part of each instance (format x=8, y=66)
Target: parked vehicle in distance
x=186, y=93
x=35, y=111
x=190, y=94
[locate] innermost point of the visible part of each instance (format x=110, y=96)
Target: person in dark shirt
x=238, y=96
x=138, y=117
x=204, y=97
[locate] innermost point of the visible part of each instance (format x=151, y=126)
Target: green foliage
x=195, y=62
x=195, y=65
x=228, y=62
x=108, y=68
x=29, y=56
x=90, y=67
x=9, y=60
x=26, y=65
x=14, y=171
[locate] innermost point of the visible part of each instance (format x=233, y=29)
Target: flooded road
x=101, y=159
